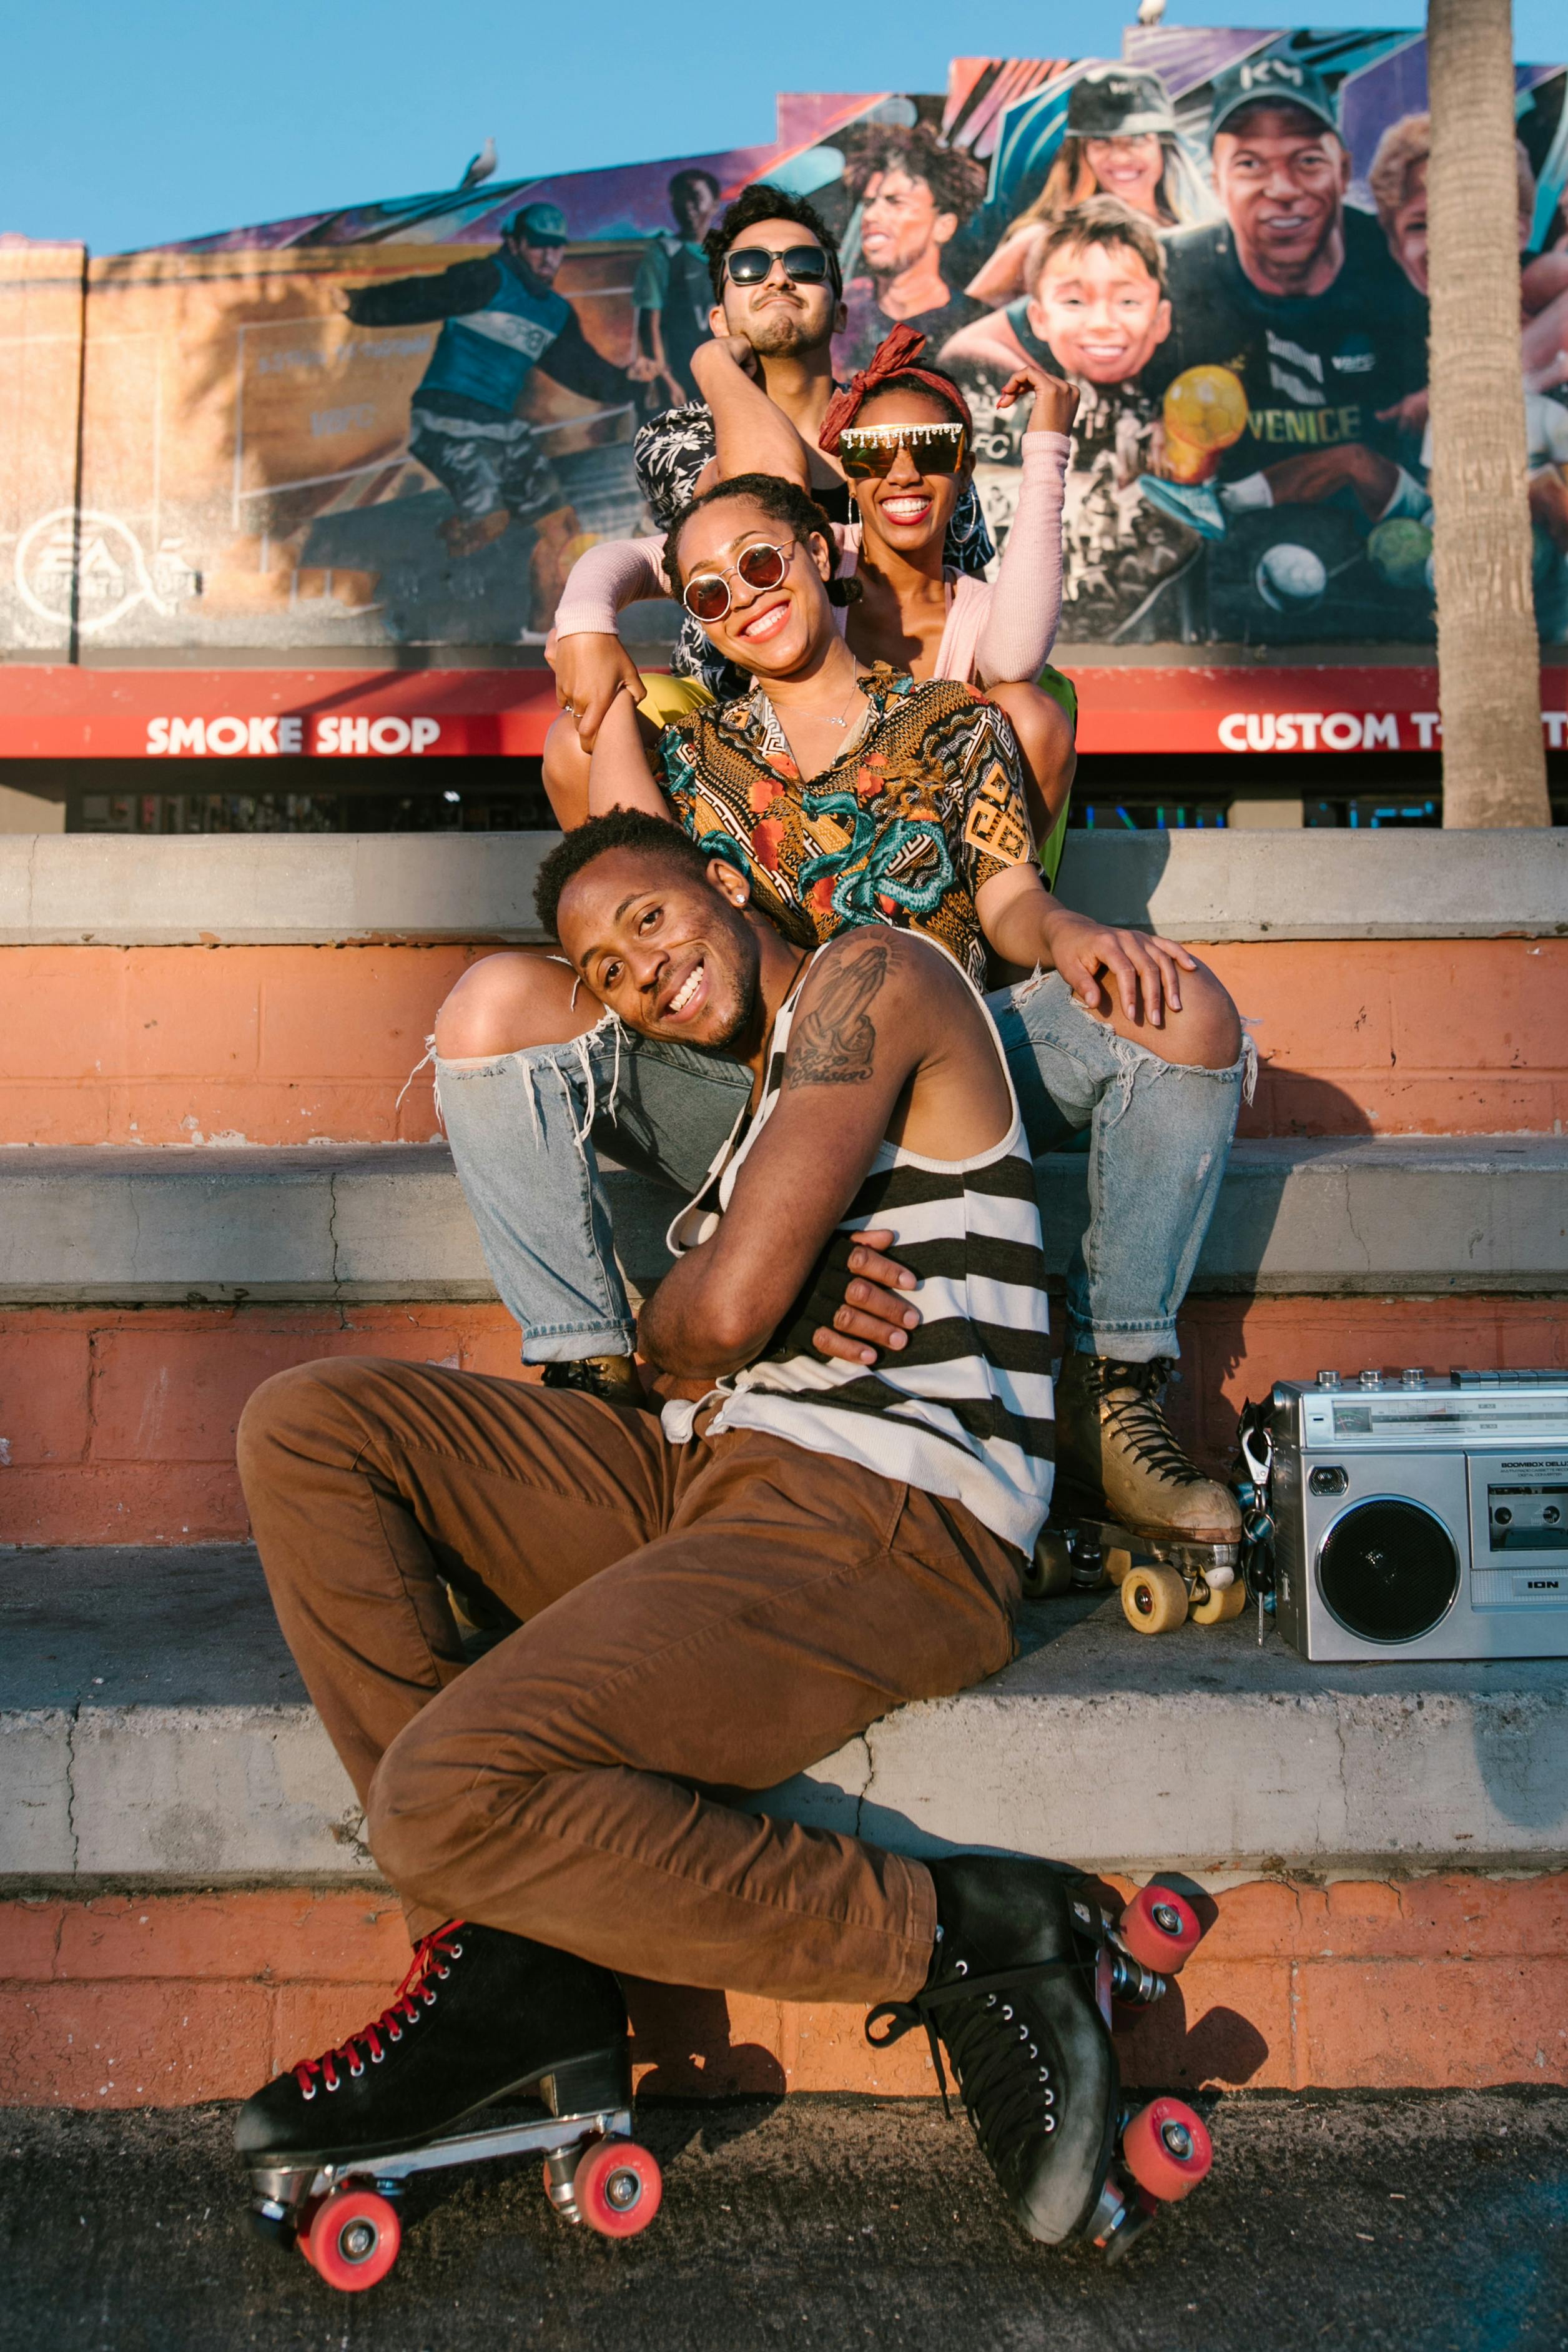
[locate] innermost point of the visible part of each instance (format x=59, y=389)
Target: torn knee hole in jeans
x=1132, y=1056
x=571, y=1056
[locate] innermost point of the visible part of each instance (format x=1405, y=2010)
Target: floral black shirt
x=670, y=453
x=922, y=807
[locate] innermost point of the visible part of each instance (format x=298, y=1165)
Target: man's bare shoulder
x=874, y=991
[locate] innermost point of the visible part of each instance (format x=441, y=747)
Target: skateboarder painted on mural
x=501, y=318
x=672, y=294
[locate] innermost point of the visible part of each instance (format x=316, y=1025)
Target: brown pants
x=698, y=1621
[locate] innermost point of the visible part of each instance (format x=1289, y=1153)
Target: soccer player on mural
x=1296, y=296
x=915, y=196
x=1121, y=141
x=1096, y=311
x=672, y=293
x=501, y=318
x=851, y=795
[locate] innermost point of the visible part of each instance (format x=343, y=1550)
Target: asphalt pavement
x=1418, y=2222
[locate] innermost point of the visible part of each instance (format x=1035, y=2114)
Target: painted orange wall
x=305, y=1044
x=117, y=1424
x=161, y=2001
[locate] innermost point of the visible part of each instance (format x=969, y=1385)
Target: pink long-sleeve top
x=997, y=631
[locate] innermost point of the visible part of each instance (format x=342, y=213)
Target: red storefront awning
x=66, y=713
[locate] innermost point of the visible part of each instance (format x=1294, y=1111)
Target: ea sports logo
x=93, y=553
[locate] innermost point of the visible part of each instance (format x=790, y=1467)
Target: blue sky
x=129, y=125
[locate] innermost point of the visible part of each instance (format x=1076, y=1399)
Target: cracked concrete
x=155, y=1732
x=127, y=1225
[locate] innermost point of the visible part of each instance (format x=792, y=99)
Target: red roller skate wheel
x=1167, y=2148
x=1159, y=1929
x=354, y=2239
x=617, y=2188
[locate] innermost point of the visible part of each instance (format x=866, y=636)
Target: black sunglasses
x=804, y=264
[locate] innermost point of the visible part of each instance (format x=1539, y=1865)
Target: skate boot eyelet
x=457, y=1951
x=1048, y=2123
x=1032, y=2051
x=990, y=2000
x=1048, y=2098
x=310, y=2094
x=376, y=2057
x=960, y=1967
x=356, y=2072
x=443, y=1974
x=1007, y=2013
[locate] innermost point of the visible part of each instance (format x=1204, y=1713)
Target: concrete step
x=1327, y=1216
x=262, y=889
x=156, y=1735
x=186, y=1904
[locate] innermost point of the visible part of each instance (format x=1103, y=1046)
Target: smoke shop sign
x=387, y=738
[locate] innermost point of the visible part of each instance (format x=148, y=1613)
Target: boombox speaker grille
x=1389, y=1571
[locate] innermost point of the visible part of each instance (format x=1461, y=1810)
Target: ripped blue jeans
x=527, y=1131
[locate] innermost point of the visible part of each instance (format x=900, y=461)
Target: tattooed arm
x=886, y=1037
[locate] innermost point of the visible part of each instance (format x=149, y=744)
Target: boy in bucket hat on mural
x=501, y=318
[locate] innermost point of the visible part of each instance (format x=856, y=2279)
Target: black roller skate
x=480, y=2016
x=1020, y=1996
x=1131, y=1509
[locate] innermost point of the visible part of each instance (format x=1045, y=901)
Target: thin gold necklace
x=843, y=721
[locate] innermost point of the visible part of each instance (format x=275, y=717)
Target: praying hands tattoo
x=834, y=1042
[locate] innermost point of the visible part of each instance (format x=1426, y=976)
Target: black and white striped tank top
x=965, y=1408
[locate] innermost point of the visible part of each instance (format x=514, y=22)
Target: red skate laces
x=430, y=1955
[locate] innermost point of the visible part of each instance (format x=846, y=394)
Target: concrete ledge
x=120, y=1226
x=155, y=1733
x=278, y=889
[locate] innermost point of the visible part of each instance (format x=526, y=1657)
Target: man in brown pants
x=829, y=1518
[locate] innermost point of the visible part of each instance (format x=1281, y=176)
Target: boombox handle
x=1250, y=1476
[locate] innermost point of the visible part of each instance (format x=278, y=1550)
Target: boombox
x=1422, y=1516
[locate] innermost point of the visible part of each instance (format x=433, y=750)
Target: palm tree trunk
x=1488, y=657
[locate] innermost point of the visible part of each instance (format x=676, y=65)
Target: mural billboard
x=395, y=425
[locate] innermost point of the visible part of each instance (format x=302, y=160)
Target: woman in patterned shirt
x=846, y=792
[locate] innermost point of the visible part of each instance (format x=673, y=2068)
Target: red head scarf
x=894, y=356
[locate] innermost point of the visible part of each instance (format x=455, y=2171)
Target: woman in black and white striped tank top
x=965, y=1408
